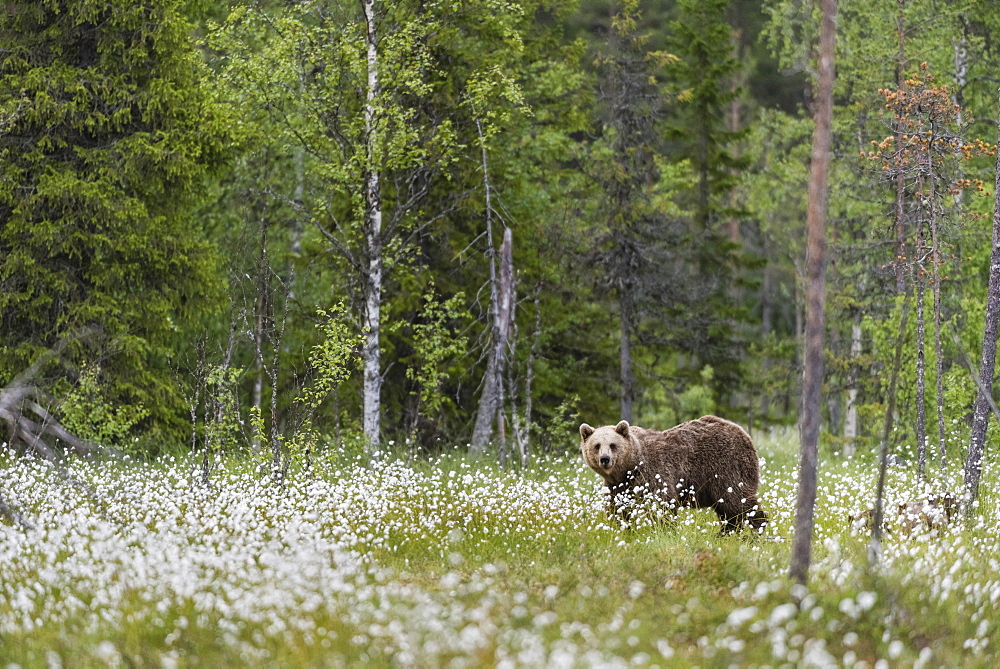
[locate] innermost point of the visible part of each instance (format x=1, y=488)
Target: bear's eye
x=613, y=447
x=597, y=447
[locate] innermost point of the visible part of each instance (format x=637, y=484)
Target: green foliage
x=561, y=432
x=434, y=342
x=703, y=72
x=332, y=358
x=222, y=431
x=114, y=213
x=331, y=361
x=87, y=413
x=107, y=136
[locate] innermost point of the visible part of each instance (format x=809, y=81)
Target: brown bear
x=709, y=462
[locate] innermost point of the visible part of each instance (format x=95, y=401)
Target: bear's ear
x=622, y=428
x=586, y=431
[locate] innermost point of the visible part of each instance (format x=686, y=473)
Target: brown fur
x=709, y=462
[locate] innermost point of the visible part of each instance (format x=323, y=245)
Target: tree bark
x=921, y=426
x=875, y=545
x=851, y=419
x=371, y=352
x=815, y=297
x=262, y=318
x=987, y=363
x=490, y=403
x=900, y=187
x=938, y=352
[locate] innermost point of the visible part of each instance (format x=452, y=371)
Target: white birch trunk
x=851, y=419
x=370, y=352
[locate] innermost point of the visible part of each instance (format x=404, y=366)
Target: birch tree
x=347, y=85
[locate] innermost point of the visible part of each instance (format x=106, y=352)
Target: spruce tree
x=106, y=135
x=702, y=78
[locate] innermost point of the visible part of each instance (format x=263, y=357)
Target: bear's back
x=699, y=447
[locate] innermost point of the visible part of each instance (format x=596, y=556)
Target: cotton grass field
x=455, y=563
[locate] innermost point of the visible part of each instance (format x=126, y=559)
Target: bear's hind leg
x=755, y=514
x=733, y=516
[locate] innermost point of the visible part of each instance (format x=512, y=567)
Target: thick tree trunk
x=371, y=352
x=987, y=363
x=491, y=399
x=815, y=297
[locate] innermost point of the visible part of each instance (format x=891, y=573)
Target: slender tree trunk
x=371, y=352
x=961, y=67
x=851, y=417
x=815, y=297
x=875, y=545
x=921, y=426
x=261, y=320
x=938, y=352
x=525, y=434
x=900, y=183
x=735, y=117
x=987, y=363
x=505, y=320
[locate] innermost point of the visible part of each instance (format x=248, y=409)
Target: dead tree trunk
x=815, y=297
x=13, y=515
x=987, y=362
x=501, y=294
x=30, y=424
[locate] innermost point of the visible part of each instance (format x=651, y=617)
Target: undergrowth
x=455, y=562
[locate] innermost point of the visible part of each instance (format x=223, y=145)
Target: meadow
x=450, y=562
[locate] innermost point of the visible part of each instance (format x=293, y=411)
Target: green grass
x=463, y=563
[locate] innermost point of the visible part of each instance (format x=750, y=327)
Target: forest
x=267, y=260
x=475, y=223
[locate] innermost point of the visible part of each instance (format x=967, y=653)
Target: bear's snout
x=605, y=460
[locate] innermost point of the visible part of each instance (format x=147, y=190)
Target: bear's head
x=610, y=450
